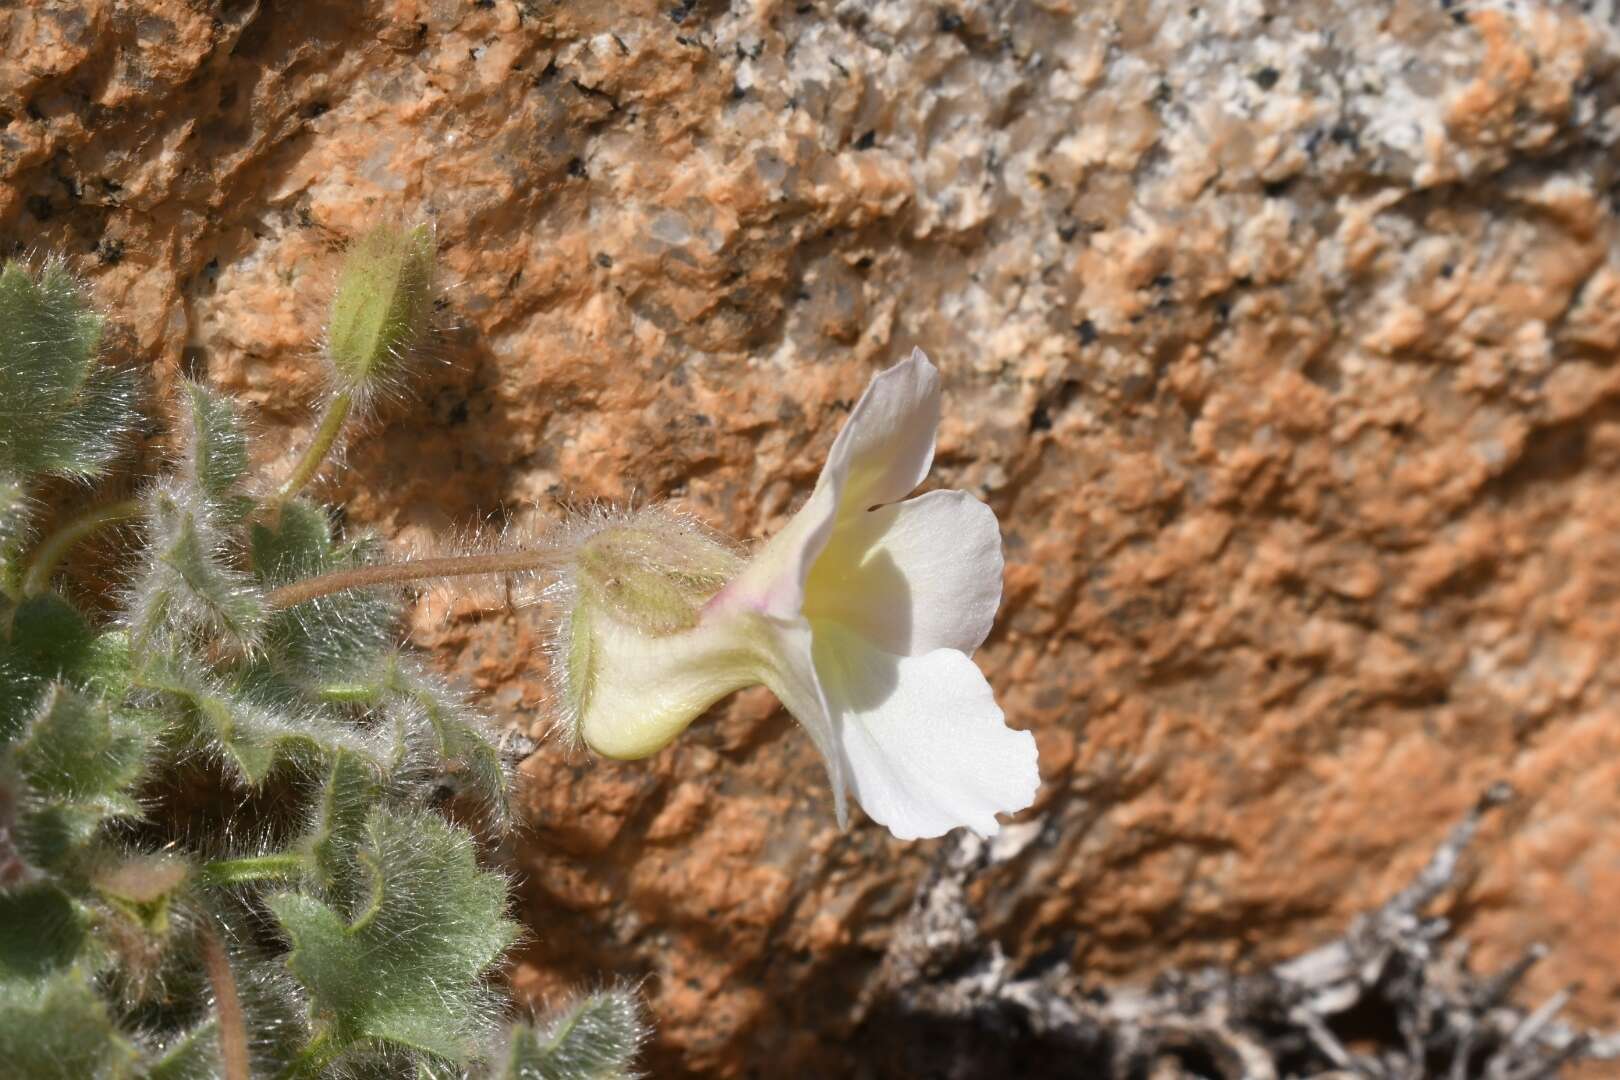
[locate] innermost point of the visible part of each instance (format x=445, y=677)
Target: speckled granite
x=1282, y=336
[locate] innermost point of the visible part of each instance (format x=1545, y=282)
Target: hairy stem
x=37, y=578
x=337, y=412
x=253, y=868
x=499, y=562
x=233, y=1041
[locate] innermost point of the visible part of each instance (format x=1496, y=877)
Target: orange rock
x=1282, y=349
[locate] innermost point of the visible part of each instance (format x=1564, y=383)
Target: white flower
x=860, y=616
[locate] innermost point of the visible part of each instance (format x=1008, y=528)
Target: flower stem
x=326, y=433
x=233, y=1041
x=498, y=562
x=37, y=578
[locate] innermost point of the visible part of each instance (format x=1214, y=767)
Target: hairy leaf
x=340, y=637
x=59, y=1029
x=79, y=762
x=339, y=827
x=41, y=931
x=192, y=1056
x=59, y=411
x=16, y=527
x=76, y=749
x=237, y=717
x=594, y=1038
x=406, y=968
x=444, y=737
x=187, y=585
x=216, y=444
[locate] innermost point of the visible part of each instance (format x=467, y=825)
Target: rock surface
x=1281, y=336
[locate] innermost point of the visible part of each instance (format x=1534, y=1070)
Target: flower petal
x=773, y=581
x=792, y=677
x=887, y=444
x=882, y=453
x=636, y=693
x=923, y=740
x=913, y=576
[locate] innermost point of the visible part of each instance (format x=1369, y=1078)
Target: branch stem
x=37, y=578
x=326, y=434
x=277, y=867
x=498, y=562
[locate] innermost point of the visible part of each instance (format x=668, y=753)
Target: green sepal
x=406, y=968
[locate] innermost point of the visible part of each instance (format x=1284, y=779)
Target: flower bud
x=382, y=304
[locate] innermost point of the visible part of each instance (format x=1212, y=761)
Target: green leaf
x=41, y=931
x=59, y=1030
x=407, y=968
x=382, y=304
x=87, y=435
x=297, y=544
x=187, y=585
x=16, y=528
x=216, y=446
x=51, y=638
x=76, y=749
x=59, y=412
x=443, y=735
x=339, y=827
x=192, y=1056
x=48, y=335
x=338, y=637
x=236, y=715
x=594, y=1038
x=80, y=762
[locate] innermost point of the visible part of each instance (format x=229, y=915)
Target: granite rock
x=1281, y=336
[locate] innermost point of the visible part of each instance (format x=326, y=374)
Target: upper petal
x=887, y=445
x=772, y=583
x=882, y=453
x=914, y=576
x=923, y=741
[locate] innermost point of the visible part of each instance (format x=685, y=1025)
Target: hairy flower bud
x=382, y=304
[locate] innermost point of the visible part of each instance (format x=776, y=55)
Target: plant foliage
x=224, y=846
